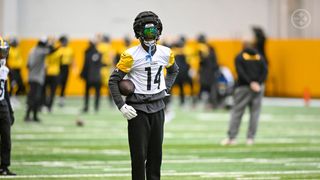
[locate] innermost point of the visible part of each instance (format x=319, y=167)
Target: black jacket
x=250, y=66
x=92, y=65
x=209, y=68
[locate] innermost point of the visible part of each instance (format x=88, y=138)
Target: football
x=79, y=122
x=126, y=87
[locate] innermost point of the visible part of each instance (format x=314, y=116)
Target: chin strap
x=151, y=47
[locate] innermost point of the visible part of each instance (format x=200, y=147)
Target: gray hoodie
x=36, y=64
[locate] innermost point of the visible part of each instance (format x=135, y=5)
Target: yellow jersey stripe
x=125, y=63
x=249, y=57
x=171, y=59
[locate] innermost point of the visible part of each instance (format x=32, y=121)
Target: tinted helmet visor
x=150, y=32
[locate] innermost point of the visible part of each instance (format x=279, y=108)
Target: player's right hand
x=128, y=111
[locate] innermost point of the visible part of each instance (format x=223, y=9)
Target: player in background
x=52, y=65
x=127, y=43
x=15, y=63
x=6, y=112
x=208, y=71
x=144, y=109
x=260, y=40
x=67, y=59
x=36, y=78
x=105, y=48
x=183, y=77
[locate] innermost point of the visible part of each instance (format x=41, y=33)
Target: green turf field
x=287, y=145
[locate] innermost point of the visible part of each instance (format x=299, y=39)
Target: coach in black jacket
x=91, y=74
x=252, y=71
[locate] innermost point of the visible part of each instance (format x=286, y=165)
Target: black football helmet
x=4, y=48
x=147, y=26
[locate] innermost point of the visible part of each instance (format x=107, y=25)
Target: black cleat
x=6, y=172
x=27, y=119
x=36, y=120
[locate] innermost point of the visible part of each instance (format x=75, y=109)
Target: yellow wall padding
x=294, y=65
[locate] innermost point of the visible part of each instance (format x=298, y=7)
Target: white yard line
x=201, y=174
x=258, y=178
x=245, y=160
x=218, y=174
x=246, y=150
x=105, y=164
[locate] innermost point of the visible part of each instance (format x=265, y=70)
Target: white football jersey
x=146, y=73
x=4, y=71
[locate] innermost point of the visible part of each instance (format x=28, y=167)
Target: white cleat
x=227, y=142
x=250, y=142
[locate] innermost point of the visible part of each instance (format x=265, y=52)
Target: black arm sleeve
x=7, y=98
x=115, y=77
x=172, y=73
x=240, y=70
x=52, y=49
x=264, y=71
x=85, y=67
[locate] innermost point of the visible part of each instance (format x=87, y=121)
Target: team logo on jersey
x=154, y=63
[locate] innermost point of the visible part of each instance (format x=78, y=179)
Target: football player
x=15, y=63
x=6, y=112
x=144, y=109
x=67, y=59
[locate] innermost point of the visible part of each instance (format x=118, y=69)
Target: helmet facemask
x=149, y=35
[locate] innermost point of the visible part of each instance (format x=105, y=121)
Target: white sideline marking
x=201, y=174
x=289, y=102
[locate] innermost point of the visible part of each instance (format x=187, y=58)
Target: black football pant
x=97, y=87
x=16, y=80
x=181, y=82
x=64, y=74
x=5, y=143
x=34, y=99
x=52, y=83
x=145, y=140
